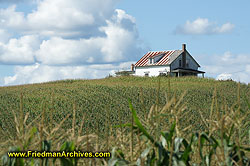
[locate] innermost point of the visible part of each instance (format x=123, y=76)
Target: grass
x=87, y=112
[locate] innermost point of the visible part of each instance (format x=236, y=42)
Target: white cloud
x=42, y=73
x=63, y=39
x=228, y=66
x=10, y=18
x=61, y=14
x=71, y=19
x=225, y=28
x=202, y=26
x=118, y=42
x=19, y=51
x=4, y=36
x=235, y=59
x=12, y=1
x=224, y=76
x=117, y=45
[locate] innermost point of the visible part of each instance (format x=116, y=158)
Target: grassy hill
x=104, y=102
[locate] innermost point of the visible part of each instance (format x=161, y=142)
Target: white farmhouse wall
x=151, y=70
x=191, y=65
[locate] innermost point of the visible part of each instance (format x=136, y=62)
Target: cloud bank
x=43, y=73
x=228, y=66
x=202, y=26
x=64, y=39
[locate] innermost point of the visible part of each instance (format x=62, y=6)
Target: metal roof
x=165, y=60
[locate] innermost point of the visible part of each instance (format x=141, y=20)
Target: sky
x=46, y=40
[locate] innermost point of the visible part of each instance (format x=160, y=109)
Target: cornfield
x=186, y=119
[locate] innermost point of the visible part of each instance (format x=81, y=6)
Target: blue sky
x=44, y=40
x=156, y=21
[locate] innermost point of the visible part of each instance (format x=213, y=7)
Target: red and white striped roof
x=163, y=61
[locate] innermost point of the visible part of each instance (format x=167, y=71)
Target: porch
x=187, y=72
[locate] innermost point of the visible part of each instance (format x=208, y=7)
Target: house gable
x=177, y=62
x=192, y=58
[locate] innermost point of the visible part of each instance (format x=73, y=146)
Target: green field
x=103, y=103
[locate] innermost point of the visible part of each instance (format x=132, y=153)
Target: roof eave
x=153, y=65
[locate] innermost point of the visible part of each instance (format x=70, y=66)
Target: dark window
x=162, y=74
x=187, y=64
x=179, y=63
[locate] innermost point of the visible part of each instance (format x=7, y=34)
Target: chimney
x=183, y=47
x=132, y=67
x=184, y=55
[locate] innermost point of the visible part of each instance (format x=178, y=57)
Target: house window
x=179, y=63
x=187, y=63
x=162, y=74
x=150, y=60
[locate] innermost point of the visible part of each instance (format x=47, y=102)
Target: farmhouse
x=175, y=63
